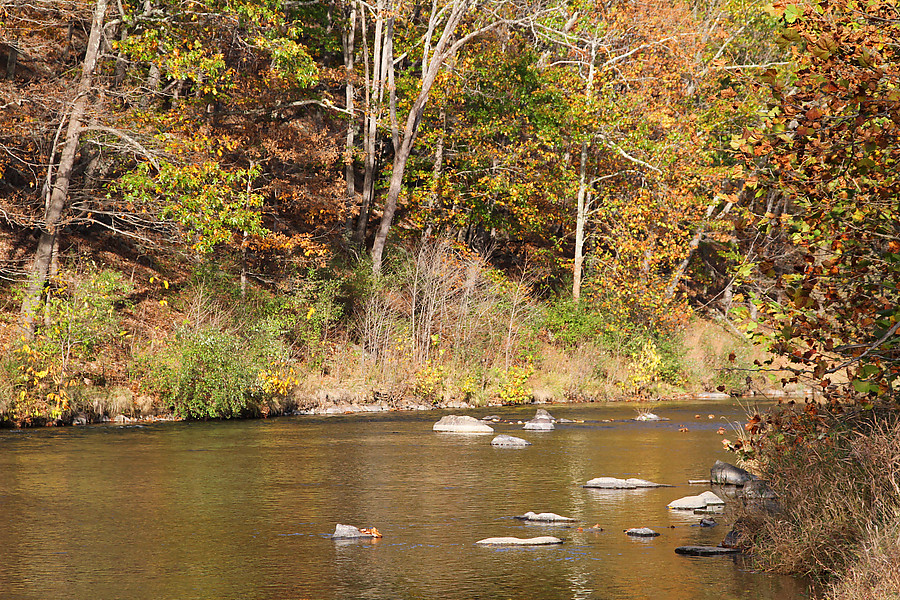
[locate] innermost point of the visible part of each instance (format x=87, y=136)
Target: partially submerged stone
x=540, y=424
x=705, y=550
x=461, y=424
x=509, y=441
x=614, y=483
x=698, y=502
x=349, y=532
x=649, y=416
x=724, y=473
x=544, y=540
x=546, y=517
x=641, y=532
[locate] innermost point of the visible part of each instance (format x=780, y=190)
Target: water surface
x=244, y=509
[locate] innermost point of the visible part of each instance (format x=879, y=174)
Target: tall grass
x=838, y=482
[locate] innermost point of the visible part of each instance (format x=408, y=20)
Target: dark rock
x=641, y=532
x=705, y=550
x=708, y=523
x=759, y=489
x=723, y=472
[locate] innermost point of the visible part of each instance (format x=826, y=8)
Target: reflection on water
x=244, y=510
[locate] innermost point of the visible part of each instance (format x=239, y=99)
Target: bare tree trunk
x=349, y=39
x=374, y=103
x=436, y=174
x=582, y=200
x=443, y=50
x=60, y=193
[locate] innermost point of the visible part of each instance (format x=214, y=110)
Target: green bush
x=571, y=323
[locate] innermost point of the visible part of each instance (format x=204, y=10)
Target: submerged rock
x=724, y=473
x=614, y=483
x=543, y=540
x=708, y=523
x=641, y=532
x=461, y=424
x=546, y=517
x=509, y=441
x=705, y=550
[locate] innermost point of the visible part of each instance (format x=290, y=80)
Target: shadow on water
x=244, y=509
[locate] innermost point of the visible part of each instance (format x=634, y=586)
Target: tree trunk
x=436, y=174
x=60, y=193
x=349, y=39
x=582, y=201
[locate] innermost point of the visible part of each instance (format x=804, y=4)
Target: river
x=244, y=509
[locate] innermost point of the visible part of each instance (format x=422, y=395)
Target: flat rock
x=544, y=540
x=705, y=550
x=698, y=502
x=614, y=483
x=723, y=472
x=641, y=532
x=461, y=424
x=546, y=517
x=509, y=441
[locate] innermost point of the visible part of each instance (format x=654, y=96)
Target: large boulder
x=614, y=483
x=461, y=424
x=546, y=517
x=724, y=473
x=543, y=540
x=509, y=441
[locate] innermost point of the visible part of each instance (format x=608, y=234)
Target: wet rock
x=509, y=441
x=543, y=414
x=708, y=523
x=546, y=517
x=461, y=424
x=349, y=532
x=641, y=532
x=543, y=540
x=540, y=424
x=614, y=483
x=649, y=416
x=724, y=473
x=80, y=419
x=705, y=550
x=701, y=501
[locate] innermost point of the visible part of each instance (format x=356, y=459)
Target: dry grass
x=840, y=499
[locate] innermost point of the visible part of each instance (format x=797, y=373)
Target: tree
x=830, y=145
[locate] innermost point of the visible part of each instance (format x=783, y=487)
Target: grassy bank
x=837, y=477
x=441, y=327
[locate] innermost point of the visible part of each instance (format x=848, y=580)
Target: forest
x=238, y=208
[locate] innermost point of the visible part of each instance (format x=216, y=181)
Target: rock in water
x=349, y=532
x=696, y=502
x=641, y=532
x=543, y=540
x=546, y=517
x=509, y=441
x=704, y=550
x=540, y=424
x=614, y=483
x=708, y=523
x=722, y=472
x=543, y=414
x=461, y=424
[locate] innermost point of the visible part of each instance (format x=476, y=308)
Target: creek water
x=244, y=509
